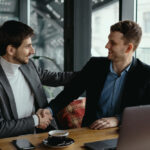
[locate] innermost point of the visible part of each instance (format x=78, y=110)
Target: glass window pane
x=102, y=19
x=143, y=18
x=47, y=20
x=9, y=10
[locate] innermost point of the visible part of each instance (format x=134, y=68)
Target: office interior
x=69, y=32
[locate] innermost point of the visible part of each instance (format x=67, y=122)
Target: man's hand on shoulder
x=105, y=123
x=45, y=118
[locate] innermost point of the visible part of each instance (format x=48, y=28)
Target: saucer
x=64, y=143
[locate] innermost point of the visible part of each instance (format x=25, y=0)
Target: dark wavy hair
x=13, y=33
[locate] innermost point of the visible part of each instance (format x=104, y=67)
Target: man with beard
x=22, y=97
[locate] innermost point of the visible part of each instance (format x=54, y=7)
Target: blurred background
x=69, y=32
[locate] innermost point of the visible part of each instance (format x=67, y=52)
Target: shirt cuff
x=36, y=120
x=50, y=110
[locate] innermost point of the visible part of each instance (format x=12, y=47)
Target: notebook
x=134, y=131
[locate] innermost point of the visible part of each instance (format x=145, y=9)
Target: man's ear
x=10, y=50
x=130, y=48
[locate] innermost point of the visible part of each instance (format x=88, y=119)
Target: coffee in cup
x=57, y=136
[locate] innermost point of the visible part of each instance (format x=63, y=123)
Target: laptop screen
x=134, y=131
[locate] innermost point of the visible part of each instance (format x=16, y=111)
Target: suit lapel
x=5, y=83
x=32, y=78
x=128, y=84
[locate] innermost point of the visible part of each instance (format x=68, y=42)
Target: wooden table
x=80, y=136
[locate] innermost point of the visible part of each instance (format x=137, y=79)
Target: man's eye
x=113, y=43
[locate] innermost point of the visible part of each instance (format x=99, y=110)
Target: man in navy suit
x=111, y=83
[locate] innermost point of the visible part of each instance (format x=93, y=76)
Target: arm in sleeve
x=75, y=88
x=54, y=79
x=14, y=127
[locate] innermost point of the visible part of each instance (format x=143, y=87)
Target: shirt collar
x=125, y=70
x=9, y=68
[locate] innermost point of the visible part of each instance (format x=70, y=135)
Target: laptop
x=134, y=131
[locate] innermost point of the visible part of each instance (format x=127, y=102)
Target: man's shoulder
x=99, y=59
x=143, y=65
x=142, y=69
x=98, y=62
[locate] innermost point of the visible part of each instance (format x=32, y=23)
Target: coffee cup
x=57, y=136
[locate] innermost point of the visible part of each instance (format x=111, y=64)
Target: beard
x=20, y=60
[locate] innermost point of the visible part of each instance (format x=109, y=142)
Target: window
x=143, y=18
x=146, y=19
x=9, y=10
x=47, y=21
x=102, y=18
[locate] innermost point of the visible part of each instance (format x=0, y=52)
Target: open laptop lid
x=135, y=129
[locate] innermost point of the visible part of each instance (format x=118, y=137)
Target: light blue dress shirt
x=109, y=102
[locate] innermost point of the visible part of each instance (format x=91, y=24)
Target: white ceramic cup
x=58, y=133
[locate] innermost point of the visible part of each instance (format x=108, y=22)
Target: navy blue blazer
x=136, y=90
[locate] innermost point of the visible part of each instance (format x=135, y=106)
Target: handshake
x=45, y=118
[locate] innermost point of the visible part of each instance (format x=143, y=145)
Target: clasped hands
x=45, y=118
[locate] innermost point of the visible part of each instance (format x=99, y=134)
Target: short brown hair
x=13, y=33
x=131, y=30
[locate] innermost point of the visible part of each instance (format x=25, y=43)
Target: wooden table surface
x=80, y=136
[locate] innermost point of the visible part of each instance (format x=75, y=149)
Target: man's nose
x=107, y=45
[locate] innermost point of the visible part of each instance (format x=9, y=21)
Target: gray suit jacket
x=10, y=125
